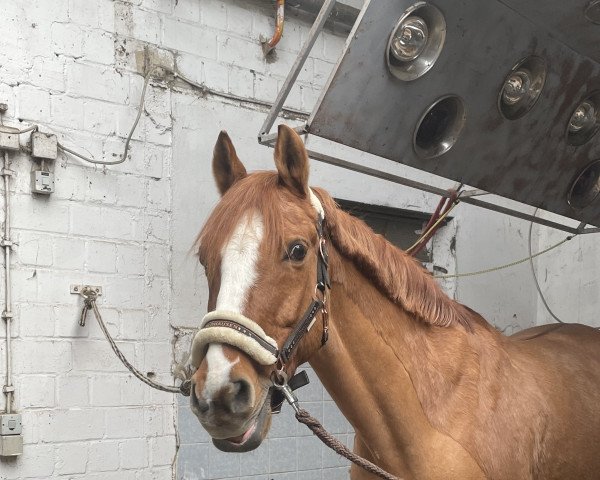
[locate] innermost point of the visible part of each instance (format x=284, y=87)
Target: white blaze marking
x=238, y=274
x=238, y=264
x=217, y=375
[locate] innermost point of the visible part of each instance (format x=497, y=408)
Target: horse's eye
x=296, y=251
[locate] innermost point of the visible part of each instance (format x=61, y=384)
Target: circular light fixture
x=410, y=39
x=522, y=87
x=416, y=41
x=585, y=120
x=439, y=127
x=586, y=187
x=592, y=12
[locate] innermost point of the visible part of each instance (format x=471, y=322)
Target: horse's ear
x=291, y=160
x=227, y=167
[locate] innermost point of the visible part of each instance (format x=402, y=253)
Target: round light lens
x=516, y=87
x=584, y=117
x=410, y=39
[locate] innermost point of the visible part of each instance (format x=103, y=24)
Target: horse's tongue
x=240, y=439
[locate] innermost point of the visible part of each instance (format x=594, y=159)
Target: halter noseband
x=235, y=329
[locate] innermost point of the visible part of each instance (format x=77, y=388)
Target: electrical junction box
x=9, y=138
x=44, y=146
x=42, y=182
x=10, y=424
x=11, y=438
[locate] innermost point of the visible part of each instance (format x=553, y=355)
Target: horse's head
x=262, y=252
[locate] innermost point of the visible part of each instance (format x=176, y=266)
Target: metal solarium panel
x=527, y=159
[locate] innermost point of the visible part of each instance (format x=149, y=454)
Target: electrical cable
x=131, y=131
x=147, y=77
x=17, y=131
x=535, y=279
x=507, y=265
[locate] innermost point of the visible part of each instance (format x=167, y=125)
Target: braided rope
x=304, y=417
x=184, y=388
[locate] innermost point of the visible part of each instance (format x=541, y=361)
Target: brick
x=99, y=47
x=101, y=256
x=130, y=259
x=188, y=10
x=41, y=356
x=214, y=13
x=104, y=456
x=67, y=321
x=157, y=260
x=68, y=253
x=34, y=104
x=36, y=391
x=99, y=13
x=157, y=357
x=125, y=423
x=189, y=38
x=239, y=20
x=67, y=111
x=73, y=391
x=134, y=324
x=32, y=214
x=67, y=39
x=87, y=220
x=36, y=320
x=34, y=249
x=48, y=73
x=71, y=425
x=36, y=461
x=97, y=356
x=71, y=458
x=162, y=450
x=100, y=187
x=133, y=393
x=131, y=191
x=99, y=82
x=134, y=453
x=105, y=391
x=112, y=321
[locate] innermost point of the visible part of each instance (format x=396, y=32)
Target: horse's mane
x=399, y=276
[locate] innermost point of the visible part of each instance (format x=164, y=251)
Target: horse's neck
x=396, y=379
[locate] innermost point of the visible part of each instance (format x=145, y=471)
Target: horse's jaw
x=252, y=437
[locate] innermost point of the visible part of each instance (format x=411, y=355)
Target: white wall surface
x=73, y=66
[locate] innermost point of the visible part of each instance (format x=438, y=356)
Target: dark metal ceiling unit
x=500, y=95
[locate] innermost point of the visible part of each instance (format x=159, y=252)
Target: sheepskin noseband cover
x=263, y=349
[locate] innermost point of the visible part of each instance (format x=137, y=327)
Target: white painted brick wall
x=73, y=67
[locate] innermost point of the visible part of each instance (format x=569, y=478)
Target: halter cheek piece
x=233, y=328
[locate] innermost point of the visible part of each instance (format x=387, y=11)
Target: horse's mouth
x=251, y=438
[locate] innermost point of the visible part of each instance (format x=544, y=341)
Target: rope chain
x=304, y=417
x=90, y=303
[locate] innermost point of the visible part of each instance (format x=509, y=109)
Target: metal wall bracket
x=80, y=289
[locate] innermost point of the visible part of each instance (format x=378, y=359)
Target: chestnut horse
x=430, y=388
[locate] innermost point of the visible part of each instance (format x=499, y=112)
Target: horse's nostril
x=198, y=404
x=242, y=397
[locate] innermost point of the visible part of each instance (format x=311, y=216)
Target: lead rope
x=281, y=384
x=89, y=299
x=304, y=417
